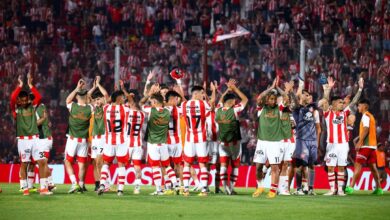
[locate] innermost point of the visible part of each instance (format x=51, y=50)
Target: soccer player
x=173, y=139
x=195, y=112
x=80, y=113
x=337, y=148
x=288, y=142
x=27, y=133
x=114, y=115
x=45, y=140
x=365, y=148
x=135, y=121
x=269, y=137
x=229, y=135
x=158, y=124
x=308, y=131
x=99, y=98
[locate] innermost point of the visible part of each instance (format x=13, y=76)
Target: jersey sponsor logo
x=160, y=121
x=270, y=115
x=99, y=115
x=223, y=120
x=26, y=114
x=80, y=115
x=338, y=120
x=27, y=151
x=260, y=152
x=308, y=116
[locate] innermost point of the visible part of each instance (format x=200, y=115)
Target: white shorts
x=192, y=150
x=268, y=150
x=97, y=146
x=232, y=152
x=213, y=148
x=29, y=148
x=46, y=144
x=135, y=154
x=175, y=152
x=76, y=147
x=120, y=151
x=158, y=154
x=288, y=150
x=336, y=154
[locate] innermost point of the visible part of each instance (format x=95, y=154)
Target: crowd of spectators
x=65, y=40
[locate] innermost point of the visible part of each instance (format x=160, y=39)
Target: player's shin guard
x=121, y=178
x=331, y=179
x=223, y=174
x=157, y=177
x=23, y=184
x=233, y=177
x=204, y=178
x=43, y=183
x=31, y=176
x=104, y=174
x=167, y=181
x=172, y=176
x=340, y=181
x=283, y=183
x=217, y=178
x=186, y=177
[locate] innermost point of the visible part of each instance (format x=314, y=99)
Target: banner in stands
x=9, y=173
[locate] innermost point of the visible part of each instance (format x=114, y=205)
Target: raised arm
x=358, y=94
x=150, y=77
x=38, y=98
x=73, y=94
x=213, y=95
x=154, y=89
x=265, y=92
x=324, y=103
x=244, y=99
x=14, y=96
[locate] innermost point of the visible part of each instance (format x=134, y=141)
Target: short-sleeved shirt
x=195, y=112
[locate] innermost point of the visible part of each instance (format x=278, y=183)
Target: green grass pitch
x=361, y=205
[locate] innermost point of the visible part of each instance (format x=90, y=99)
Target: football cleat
x=74, y=188
x=203, y=194
x=33, y=189
x=271, y=195
x=218, y=190
x=299, y=193
x=137, y=191
x=169, y=192
x=101, y=189
x=258, y=192
x=52, y=187
x=311, y=192
x=26, y=192
x=45, y=192
x=232, y=192
x=120, y=193
x=195, y=189
x=341, y=193
x=285, y=193
x=157, y=193
x=228, y=191
x=378, y=191
x=186, y=193
x=329, y=193
x=349, y=190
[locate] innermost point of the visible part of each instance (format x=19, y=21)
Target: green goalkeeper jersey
x=98, y=122
x=26, y=122
x=228, y=125
x=79, y=119
x=44, y=130
x=158, y=125
x=269, y=124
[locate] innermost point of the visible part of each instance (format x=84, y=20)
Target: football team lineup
x=203, y=129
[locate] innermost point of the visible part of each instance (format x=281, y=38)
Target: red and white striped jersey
x=212, y=127
x=195, y=112
x=135, y=120
x=336, y=124
x=115, y=123
x=174, y=131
